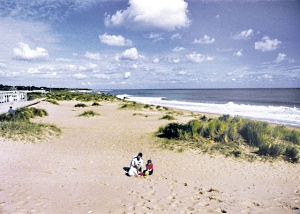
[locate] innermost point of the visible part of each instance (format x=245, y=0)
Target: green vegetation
x=35, y=95
x=234, y=136
x=19, y=127
x=132, y=106
x=80, y=96
x=96, y=104
x=88, y=114
x=52, y=101
x=139, y=114
x=80, y=105
x=168, y=117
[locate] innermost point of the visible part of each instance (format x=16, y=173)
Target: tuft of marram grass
x=235, y=137
x=52, y=101
x=19, y=127
x=88, y=114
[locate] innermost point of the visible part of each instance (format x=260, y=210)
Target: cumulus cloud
x=182, y=72
x=205, y=40
x=246, y=34
x=113, y=40
x=281, y=57
x=92, y=56
x=127, y=75
x=155, y=60
x=267, y=44
x=239, y=53
x=130, y=54
x=198, y=58
x=167, y=14
x=178, y=49
x=24, y=52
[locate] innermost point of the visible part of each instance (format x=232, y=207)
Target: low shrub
x=291, y=154
x=80, y=105
x=96, y=104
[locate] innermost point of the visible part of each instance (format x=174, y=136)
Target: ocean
x=281, y=106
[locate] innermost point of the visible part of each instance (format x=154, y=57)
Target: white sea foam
x=275, y=114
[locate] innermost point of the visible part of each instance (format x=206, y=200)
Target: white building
x=13, y=96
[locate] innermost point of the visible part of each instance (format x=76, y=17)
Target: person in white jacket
x=136, y=165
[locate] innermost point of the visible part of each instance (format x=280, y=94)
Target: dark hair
x=140, y=154
x=149, y=161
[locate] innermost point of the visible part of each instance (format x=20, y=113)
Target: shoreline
x=71, y=173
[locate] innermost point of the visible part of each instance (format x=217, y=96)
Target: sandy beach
x=82, y=171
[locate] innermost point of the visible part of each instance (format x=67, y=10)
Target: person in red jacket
x=149, y=168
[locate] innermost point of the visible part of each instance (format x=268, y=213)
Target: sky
x=143, y=44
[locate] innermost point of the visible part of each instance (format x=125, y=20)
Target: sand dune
x=82, y=171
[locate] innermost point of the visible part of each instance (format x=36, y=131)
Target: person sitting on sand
x=149, y=168
x=11, y=111
x=136, y=165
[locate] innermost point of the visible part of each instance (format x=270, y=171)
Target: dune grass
x=52, y=101
x=234, y=137
x=168, y=117
x=88, y=114
x=131, y=106
x=19, y=127
x=65, y=95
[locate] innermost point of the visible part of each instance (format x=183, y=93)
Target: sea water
x=280, y=106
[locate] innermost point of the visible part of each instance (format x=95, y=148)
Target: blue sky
x=112, y=44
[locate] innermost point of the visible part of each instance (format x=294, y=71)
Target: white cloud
x=155, y=37
x=2, y=65
x=50, y=10
x=246, y=34
x=239, y=53
x=92, y=56
x=198, y=58
x=155, y=60
x=127, y=75
x=24, y=52
x=113, y=40
x=281, y=57
x=87, y=67
x=101, y=76
x=267, y=44
x=205, y=40
x=182, y=72
x=33, y=71
x=79, y=76
x=130, y=54
x=176, y=60
x=167, y=14
x=178, y=49
x=176, y=36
